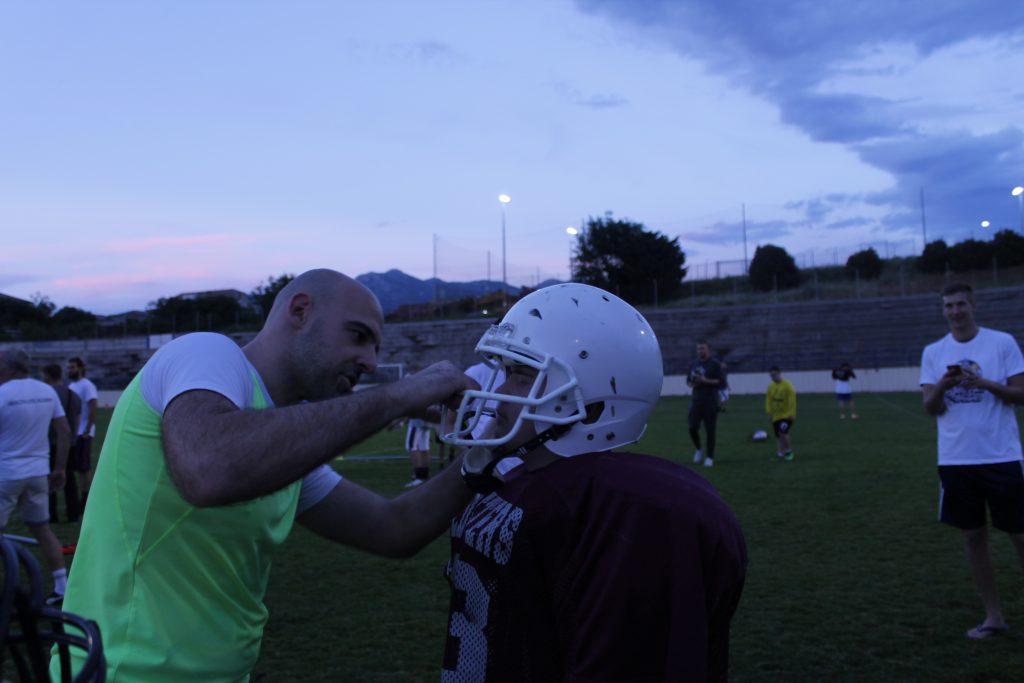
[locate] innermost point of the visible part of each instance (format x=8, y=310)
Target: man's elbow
x=199, y=489
x=197, y=493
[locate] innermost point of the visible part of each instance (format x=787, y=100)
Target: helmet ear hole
x=594, y=411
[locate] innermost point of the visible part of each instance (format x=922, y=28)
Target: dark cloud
x=963, y=177
x=840, y=118
x=731, y=233
x=785, y=51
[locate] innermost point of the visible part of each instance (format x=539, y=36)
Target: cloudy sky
x=148, y=149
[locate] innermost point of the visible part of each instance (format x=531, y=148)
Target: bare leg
x=50, y=546
x=976, y=544
x=420, y=458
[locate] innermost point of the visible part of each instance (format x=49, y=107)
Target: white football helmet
x=588, y=346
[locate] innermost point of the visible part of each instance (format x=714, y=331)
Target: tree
x=1008, y=247
x=73, y=322
x=625, y=258
x=772, y=267
x=179, y=314
x=970, y=255
x=865, y=263
x=265, y=293
x=935, y=257
x=43, y=303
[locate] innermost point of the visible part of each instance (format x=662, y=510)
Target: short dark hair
x=774, y=368
x=958, y=287
x=705, y=342
x=53, y=372
x=76, y=360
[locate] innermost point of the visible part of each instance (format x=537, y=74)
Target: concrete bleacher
x=873, y=333
x=867, y=333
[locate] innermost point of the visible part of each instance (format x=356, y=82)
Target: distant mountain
x=395, y=288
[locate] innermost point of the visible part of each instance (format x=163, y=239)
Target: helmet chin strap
x=552, y=432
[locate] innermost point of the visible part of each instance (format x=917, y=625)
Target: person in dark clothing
x=53, y=375
x=583, y=563
x=706, y=378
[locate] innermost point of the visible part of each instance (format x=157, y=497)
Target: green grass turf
x=850, y=578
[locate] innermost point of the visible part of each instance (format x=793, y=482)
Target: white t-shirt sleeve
x=89, y=391
x=201, y=360
x=315, y=487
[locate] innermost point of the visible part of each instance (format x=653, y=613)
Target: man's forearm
x=391, y=527
x=1014, y=395
x=63, y=448
x=91, y=420
x=229, y=455
x=934, y=399
x=419, y=516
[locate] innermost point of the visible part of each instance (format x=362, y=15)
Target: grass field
x=850, y=578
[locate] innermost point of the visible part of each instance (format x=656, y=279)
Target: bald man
x=213, y=450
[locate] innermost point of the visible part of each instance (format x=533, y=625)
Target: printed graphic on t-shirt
x=961, y=394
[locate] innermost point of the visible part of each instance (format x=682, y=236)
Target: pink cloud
x=167, y=241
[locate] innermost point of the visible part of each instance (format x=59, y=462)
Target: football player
x=584, y=563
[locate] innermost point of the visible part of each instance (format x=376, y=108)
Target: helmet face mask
x=588, y=347
x=28, y=627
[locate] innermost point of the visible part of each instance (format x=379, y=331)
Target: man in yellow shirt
x=780, y=404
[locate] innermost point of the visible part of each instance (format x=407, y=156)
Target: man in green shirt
x=211, y=454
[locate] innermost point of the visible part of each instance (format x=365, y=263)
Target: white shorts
x=417, y=438
x=32, y=498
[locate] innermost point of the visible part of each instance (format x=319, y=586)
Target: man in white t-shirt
x=81, y=456
x=971, y=379
x=28, y=409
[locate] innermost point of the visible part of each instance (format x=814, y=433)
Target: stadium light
x=504, y=199
x=572, y=231
x=1018, y=192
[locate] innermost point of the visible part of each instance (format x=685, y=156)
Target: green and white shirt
x=177, y=590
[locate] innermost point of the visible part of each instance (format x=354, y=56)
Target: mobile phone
x=954, y=369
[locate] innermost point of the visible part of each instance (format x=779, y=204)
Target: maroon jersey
x=599, y=567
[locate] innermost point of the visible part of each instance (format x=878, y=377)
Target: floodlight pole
x=1018, y=192
x=504, y=199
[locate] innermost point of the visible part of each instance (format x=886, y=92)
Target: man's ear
x=299, y=308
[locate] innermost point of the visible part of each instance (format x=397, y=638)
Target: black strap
x=552, y=432
x=485, y=482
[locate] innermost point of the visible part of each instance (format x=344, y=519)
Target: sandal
x=980, y=632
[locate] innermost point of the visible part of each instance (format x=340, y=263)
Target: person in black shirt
x=705, y=378
x=583, y=563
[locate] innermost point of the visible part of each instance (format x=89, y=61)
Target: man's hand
x=438, y=383
x=1012, y=392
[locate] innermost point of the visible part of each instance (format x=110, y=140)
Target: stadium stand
x=879, y=332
